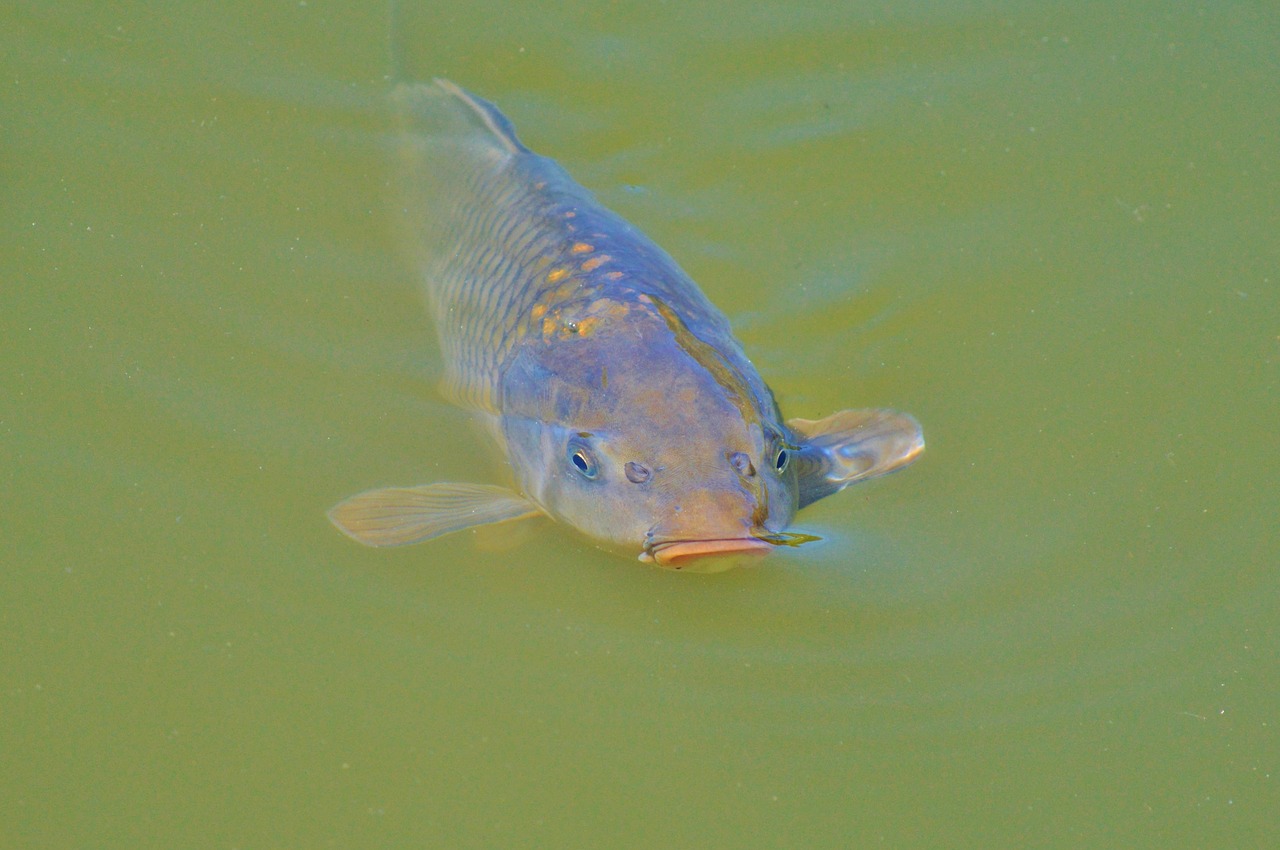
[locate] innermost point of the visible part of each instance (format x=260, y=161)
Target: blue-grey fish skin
x=624, y=404
x=510, y=230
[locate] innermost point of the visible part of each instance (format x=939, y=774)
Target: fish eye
x=582, y=459
x=781, y=459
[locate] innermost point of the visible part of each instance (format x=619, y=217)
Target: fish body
x=617, y=391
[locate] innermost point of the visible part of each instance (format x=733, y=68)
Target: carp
x=615, y=389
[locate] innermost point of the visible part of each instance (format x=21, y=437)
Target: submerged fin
x=488, y=115
x=850, y=446
x=447, y=112
x=395, y=516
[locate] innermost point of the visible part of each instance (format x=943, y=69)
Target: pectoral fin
x=850, y=446
x=395, y=516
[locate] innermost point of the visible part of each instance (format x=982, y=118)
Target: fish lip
x=676, y=554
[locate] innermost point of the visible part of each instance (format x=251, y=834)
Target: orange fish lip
x=675, y=554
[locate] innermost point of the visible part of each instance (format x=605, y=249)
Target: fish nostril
x=637, y=473
x=741, y=462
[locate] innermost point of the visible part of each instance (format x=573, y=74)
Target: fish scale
x=506, y=215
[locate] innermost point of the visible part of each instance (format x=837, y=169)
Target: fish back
x=503, y=235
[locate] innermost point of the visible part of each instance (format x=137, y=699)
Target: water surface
x=1046, y=229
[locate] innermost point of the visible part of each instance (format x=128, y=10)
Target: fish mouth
x=718, y=554
x=679, y=554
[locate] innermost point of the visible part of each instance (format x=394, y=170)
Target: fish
x=617, y=393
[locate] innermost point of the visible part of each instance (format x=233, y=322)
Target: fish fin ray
x=466, y=115
x=397, y=516
x=851, y=446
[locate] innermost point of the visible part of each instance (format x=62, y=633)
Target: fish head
x=639, y=435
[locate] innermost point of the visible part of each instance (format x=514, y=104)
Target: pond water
x=1047, y=229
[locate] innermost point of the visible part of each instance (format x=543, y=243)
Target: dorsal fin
x=488, y=115
x=446, y=110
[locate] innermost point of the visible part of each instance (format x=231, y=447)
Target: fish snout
x=711, y=529
x=712, y=546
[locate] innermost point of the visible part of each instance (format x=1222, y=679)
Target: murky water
x=1047, y=229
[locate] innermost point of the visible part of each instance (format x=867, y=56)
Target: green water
x=1047, y=229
